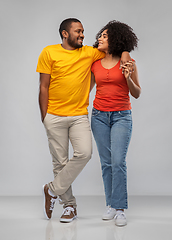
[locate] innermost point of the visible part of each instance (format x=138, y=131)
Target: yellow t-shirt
x=70, y=78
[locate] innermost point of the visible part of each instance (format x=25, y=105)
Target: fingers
x=127, y=68
x=127, y=71
x=130, y=65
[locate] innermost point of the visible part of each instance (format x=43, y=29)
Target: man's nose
x=81, y=35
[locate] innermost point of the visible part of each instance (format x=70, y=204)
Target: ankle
x=120, y=210
x=50, y=193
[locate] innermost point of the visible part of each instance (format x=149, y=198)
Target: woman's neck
x=109, y=57
x=109, y=61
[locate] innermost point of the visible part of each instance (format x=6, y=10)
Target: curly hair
x=120, y=38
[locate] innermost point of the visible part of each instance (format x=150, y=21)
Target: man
x=63, y=98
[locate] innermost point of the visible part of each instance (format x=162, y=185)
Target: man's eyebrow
x=79, y=29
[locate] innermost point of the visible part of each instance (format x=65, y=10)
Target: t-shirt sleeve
x=97, y=54
x=44, y=62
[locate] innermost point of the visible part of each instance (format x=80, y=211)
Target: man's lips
x=80, y=40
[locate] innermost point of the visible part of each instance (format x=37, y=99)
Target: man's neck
x=67, y=46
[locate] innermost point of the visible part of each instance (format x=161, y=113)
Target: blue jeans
x=112, y=133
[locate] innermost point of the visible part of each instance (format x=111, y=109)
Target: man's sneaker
x=49, y=202
x=109, y=213
x=120, y=218
x=69, y=214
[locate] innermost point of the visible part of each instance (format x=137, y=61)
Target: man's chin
x=79, y=45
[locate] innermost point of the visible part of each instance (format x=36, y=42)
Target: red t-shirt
x=112, y=92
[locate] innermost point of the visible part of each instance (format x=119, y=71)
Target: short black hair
x=65, y=25
x=120, y=38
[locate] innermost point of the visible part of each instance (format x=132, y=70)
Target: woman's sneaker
x=109, y=213
x=120, y=218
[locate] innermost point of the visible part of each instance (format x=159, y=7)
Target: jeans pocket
x=95, y=112
x=125, y=113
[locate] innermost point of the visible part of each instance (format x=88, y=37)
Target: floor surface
x=149, y=218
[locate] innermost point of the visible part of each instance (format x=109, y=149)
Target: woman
x=111, y=120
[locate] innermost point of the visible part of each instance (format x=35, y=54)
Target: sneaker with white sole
x=120, y=218
x=49, y=202
x=69, y=214
x=109, y=213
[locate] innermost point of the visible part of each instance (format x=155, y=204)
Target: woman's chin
x=100, y=49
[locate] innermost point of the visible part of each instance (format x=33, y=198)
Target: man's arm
x=43, y=94
x=125, y=57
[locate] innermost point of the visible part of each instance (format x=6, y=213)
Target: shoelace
x=120, y=215
x=53, y=201
x=68, y=210
x=108, y=209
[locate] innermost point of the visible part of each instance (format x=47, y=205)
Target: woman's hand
x=132, y=78
x=125, y=59
x=127, y=69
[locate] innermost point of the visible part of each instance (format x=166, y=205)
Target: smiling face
x=103, y=42
x=75, y=35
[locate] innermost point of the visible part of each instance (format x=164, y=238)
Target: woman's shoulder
x=96, y=64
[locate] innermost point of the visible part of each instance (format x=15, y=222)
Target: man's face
x=76, y=36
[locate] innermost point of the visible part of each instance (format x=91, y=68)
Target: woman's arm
x=43, y=94
x=92, y=81
x=132, y=79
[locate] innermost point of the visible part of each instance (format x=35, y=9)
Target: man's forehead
x=76, y=25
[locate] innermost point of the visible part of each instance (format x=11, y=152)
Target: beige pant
x=59, y=131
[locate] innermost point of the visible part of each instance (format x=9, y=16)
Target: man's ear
x=65, y=34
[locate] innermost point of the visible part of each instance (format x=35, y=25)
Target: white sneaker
x=109, y=213
x=120, y=218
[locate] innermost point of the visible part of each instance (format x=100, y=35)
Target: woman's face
x=103, y=42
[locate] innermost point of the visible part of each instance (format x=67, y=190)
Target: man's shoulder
x=52, y=47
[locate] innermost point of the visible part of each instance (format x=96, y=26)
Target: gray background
x=26, y=28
